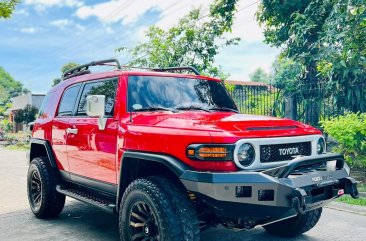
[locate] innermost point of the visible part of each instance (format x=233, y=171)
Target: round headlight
x=320, y=147
x=246, y=154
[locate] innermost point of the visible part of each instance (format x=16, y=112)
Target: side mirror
x=95, y=107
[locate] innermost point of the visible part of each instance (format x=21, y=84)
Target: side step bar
x=87, y=197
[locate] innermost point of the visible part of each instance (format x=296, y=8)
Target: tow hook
x=298, y=200
x=351, y=187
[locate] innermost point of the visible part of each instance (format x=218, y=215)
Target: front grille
x=284, y=152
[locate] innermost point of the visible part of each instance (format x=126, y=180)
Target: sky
x=43, y=35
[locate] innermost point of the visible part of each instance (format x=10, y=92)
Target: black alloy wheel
x=35, y=190
x=143, y=223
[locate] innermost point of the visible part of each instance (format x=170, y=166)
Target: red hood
x=225, y=124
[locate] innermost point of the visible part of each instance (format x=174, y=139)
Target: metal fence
x=306, y=103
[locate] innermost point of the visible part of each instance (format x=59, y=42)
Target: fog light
x=265, y=195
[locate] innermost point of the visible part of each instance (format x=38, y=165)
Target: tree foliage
x=63, y=69
x=192, y=42
x=26, y=115
x=259, y=75
x=327, y=37
x=8, y=87
x=69, y=66
x=286, y=75
x=7, y=7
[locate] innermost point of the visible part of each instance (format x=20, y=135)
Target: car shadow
x=80, y=221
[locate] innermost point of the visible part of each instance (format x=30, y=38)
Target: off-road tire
x=296, y=225
x=51, y=202
x=172, y=225
x=183, y=206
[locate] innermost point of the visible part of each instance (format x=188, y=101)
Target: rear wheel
x=148, y=212
x=43, y=198
x=296, y=225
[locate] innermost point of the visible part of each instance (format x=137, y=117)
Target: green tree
x=343, y=54
x=8, y=86
x=69, y=66
x=26, y=115
x=287, y=75
x=7, y=7
x=297, y=27
x=63, y=69
x=328, y=37
x=191, y=42
x=56, y=81
x=259, y=75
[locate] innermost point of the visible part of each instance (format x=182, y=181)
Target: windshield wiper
x=192, y=107
x=155, y=108
x=224, y=109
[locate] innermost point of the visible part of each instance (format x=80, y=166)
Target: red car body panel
x=97, y=154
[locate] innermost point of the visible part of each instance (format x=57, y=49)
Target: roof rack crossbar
x=84, y=69
x=172, y=69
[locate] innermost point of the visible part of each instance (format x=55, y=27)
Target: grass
x=18, y=147
x=349, y=200
x=361, y=187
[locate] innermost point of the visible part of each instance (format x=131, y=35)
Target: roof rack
x=180, y=69
x=84, y=69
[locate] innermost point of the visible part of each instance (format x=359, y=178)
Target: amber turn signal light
x=222, y=152
x=215, y=152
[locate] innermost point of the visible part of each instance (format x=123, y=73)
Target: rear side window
x=105, y=87
x=68, y=101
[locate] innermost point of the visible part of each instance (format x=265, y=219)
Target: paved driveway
x=79, y=221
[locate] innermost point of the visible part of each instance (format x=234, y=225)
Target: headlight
x=320, y=147
x=246, y=154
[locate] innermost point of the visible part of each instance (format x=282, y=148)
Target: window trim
x=63, y=94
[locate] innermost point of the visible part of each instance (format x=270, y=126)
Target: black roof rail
x=84, y=69
x=172, y=69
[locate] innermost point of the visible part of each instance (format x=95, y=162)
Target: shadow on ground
x=80, y=221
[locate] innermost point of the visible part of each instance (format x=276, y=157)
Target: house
x=20, y=102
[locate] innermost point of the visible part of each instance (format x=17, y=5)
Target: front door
x=92, y=152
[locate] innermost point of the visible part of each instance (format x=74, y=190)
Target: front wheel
x=149, y=212
x=296, y=225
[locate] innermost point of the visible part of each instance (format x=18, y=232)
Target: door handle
x=71, y=131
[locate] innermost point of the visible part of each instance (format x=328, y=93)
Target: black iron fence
x=305, y=103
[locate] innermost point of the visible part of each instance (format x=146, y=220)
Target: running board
x=87, y=197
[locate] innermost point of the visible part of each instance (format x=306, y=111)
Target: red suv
x=170, y=154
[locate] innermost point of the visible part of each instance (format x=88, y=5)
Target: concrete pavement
x=80, y=221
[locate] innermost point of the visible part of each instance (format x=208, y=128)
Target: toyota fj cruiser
x=169, y=153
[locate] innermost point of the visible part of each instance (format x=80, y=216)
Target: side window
x=68, y=101
x=44, y=103
x=106, y=87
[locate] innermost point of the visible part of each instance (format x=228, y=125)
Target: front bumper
x=304, y=184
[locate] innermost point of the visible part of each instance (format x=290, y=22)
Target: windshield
x=177, y=93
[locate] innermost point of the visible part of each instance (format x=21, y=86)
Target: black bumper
x=303, y=184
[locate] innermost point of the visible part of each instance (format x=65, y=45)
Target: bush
x=21, y=138
x=5, y=127
x=350, y=133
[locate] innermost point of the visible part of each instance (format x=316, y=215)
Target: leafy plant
x=5, y=126
x=26, y=115
x=350, y=133
x=20, y=138
x=192, y=42
x=7, y=7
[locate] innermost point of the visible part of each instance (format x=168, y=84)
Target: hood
x=225, y=124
